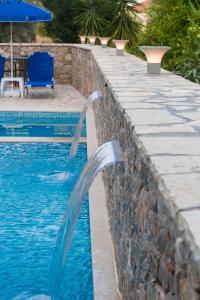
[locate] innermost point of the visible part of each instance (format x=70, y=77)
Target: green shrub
x=188, y=64
x=176, y=24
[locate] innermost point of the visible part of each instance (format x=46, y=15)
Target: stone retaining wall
x=153, y=202
x=61, y=52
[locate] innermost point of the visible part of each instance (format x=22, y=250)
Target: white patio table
x=12, y=90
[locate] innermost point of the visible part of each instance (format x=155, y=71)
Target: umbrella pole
x=11, y=51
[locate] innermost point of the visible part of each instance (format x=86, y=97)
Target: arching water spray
x=108, y=154
x=96, y=96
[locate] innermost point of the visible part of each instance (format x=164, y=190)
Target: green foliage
x=62, y=28
x=109, y=18
x=189, y=61
x=189, y=70
x=90, y=21
x=176, y=24
x=166, y=20
x=124, y=25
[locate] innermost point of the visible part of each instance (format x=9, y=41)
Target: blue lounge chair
x=2, y=66
x=40, y=70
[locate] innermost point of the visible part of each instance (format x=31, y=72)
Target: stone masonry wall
x=61, y=52
x=82, y=70
x=152, y=225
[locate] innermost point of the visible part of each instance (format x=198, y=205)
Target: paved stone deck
x=165, y=113
x=66, y=99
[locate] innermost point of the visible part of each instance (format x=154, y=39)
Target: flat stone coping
x=165, y=114
x=104, y=270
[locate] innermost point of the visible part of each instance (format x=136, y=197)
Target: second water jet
x=95, y=96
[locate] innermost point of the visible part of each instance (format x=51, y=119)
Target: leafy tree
x=125, y=24
x=109, y=18
x=89, y=21
x=166, y=20
x=62, y=28
x=95, y=17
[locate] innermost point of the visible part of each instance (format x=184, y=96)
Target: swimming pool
x=36, y=180
x=39, y=124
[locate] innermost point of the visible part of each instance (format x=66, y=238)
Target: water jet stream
x=108, y=154
x=95, y=96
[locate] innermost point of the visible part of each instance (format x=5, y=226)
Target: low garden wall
x=61, y=52
x=153, y=202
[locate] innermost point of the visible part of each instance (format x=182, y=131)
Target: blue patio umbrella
x=14, y=11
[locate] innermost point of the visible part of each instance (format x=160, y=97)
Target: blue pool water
x=39, y=124
x=36, y=180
